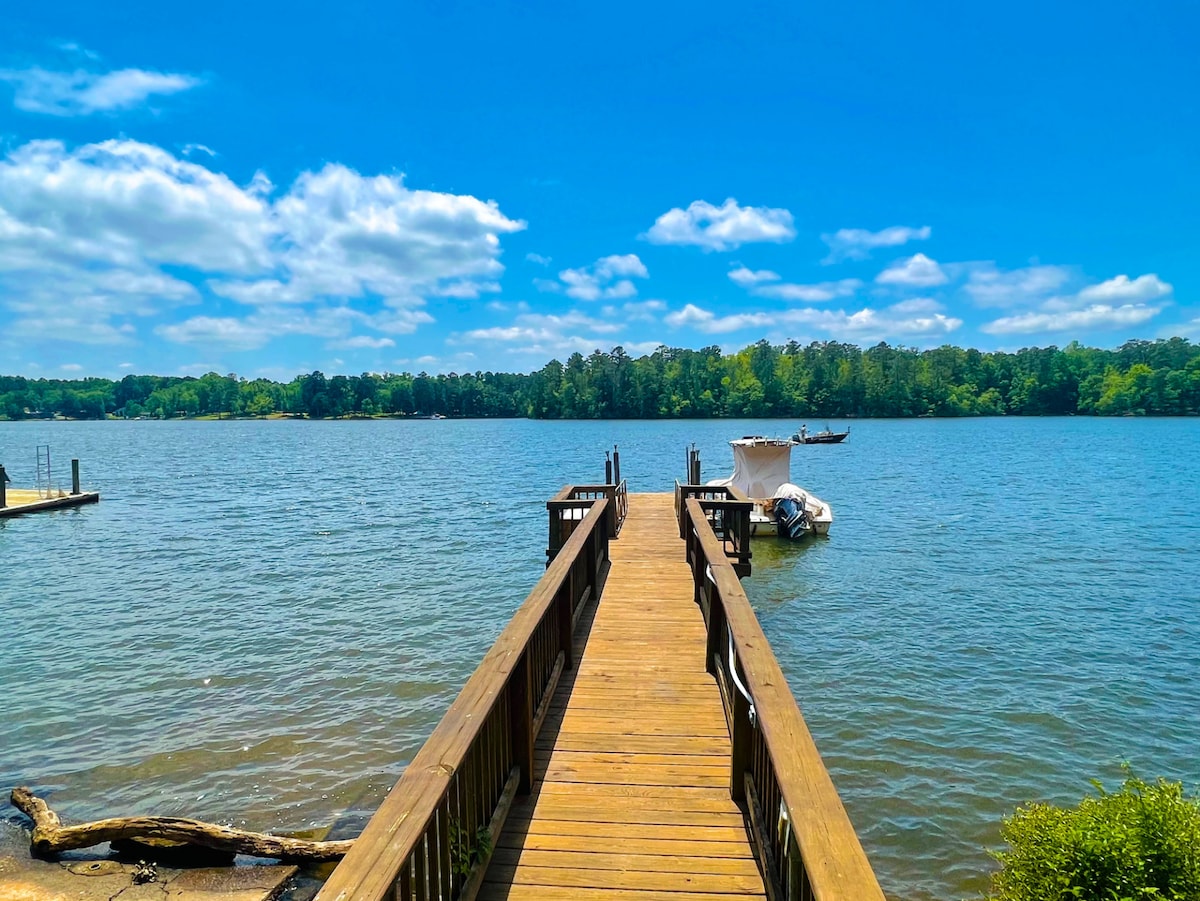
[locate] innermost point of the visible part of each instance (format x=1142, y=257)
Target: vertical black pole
x=608, y=470
x=3, y=488
x=75, y=477
x=616, y=466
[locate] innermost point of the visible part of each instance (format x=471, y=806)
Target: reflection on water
x=260, y=622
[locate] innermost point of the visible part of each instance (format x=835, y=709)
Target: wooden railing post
x=740, y=737
x=590, y=555
x=521, y=704
x=716, y=631
x=554, y=539
x=565, y=601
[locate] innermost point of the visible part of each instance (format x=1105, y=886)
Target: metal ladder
x=44, y=486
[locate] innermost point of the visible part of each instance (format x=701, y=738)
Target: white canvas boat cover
x=760, y=466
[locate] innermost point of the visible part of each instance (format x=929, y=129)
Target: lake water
x=261, y=621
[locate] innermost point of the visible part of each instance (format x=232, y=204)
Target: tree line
x=821, y=379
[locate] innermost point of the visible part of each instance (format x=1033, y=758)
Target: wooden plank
x=678, y=794
x=688, y=847
x=708, y=832
x=594, y=798
x=724, y=883
x=507, y=892
x=625, y=861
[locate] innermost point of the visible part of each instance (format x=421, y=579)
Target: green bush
x=1141, y=842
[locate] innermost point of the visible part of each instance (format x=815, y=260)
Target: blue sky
x=269, y=188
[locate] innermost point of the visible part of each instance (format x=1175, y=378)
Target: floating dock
x=630, y=735
x=28, y=500
x=15, y=501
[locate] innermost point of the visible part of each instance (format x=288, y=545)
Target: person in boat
x=804, y=432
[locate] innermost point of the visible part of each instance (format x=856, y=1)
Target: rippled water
x=261, y=621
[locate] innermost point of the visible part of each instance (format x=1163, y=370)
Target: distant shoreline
x=380, y=417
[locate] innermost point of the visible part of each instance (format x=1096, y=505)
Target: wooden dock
x=632, y=791
x=22, y=500
x=629, y=736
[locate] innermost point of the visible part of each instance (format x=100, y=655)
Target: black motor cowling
x=791, y=519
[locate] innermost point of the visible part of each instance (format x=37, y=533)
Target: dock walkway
x=631, y=794
x=629, y=735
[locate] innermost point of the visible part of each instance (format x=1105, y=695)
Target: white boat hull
x=820, y=518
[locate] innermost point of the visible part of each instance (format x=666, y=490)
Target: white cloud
x=1124, y=289
x=1094, y=317
x=638, y=311
x=542, y=328
x=765, y=283
x=126, y=365
x=110, y=231
x=571, y=320
x=609, y=278
x=917, y=305
x=538, y=259
x=80, y=93
x=1118, y=302
x=817, y=293
x=992, y=287
x=721, y=228
x=261, y=326
x=553, y=335
x=710, y=323
x=71, y=367
x=362, y=342
x=748, y=278
x=857, y=243
x=918, y=271
x=909, y=319
x=222, y=331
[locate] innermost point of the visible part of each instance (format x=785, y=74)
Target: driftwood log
x=50, y=836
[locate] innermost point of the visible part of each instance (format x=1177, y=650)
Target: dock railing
x=567, y=509
x=728, y=513
x=805, y=842
x=433, y=835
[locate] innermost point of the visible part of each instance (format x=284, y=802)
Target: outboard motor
x=791, y=518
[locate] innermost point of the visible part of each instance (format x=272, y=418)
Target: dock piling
x=4, y=480
x=75, y=477
x=616, y=466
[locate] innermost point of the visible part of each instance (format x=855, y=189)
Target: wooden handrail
x=425, y=840
x=804, y=838
x=569, y=504
x=728, y=512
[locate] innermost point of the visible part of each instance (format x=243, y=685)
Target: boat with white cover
x=762, y=471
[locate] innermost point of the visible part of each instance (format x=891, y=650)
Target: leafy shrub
x=1136, y=844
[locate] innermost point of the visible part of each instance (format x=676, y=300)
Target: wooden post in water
x=608, y=470
x=616, y=466
x=75, y=476
x=3, y=488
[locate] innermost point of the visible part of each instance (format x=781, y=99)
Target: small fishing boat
x=826, y=436
x=762, y=471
